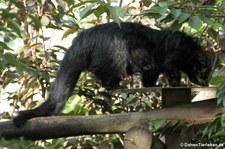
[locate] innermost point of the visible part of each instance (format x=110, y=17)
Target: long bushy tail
x=66, y=79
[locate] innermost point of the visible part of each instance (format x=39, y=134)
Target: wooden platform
x=159, y=89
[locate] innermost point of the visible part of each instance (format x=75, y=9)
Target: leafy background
x=34, y=35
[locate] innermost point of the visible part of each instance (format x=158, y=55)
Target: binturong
x=113, y=52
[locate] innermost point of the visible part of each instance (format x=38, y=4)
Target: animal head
x=198, y=62
x=201, y=67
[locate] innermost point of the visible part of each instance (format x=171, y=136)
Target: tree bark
x=64, y=126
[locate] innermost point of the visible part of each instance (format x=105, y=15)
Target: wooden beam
x=159, y=89
x=64, y=126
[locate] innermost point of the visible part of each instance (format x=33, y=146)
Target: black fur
x=112, y=53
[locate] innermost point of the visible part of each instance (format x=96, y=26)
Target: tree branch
x=64, y=126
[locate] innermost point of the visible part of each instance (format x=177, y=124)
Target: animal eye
x=203, y=64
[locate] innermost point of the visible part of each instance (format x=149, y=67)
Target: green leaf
x=73, y=104
x=217, y=80
x=195, y=22
x=176, y=26
x=45, y=20
x=207, y=20
x=84, y=2
x=6, y=14
x=14, y=26
x=99, y=11
x=167, y=3
x=60, y=47
x=219, y=134
x=221, y=86
x=4, y=46
x=85, y=12
x=131, y=99
x=163, y=10
x=183, y=17
x=70, y=31
x=176, y=12
x=154, y=9
x=116, y=13
x=221, y=97
x=162, y=4
x=18, y=4
x=36, y=22
x=217, y=26
x=157, y=124
x=167, y=19
x=170, y=127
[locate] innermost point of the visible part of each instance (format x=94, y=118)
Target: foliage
x=87, y=142
x=19, y=143
x=197, y=15
x=214, y=131
x=29, y=61
x=220, y=82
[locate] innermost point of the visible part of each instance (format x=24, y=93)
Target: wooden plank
x=159, y=89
